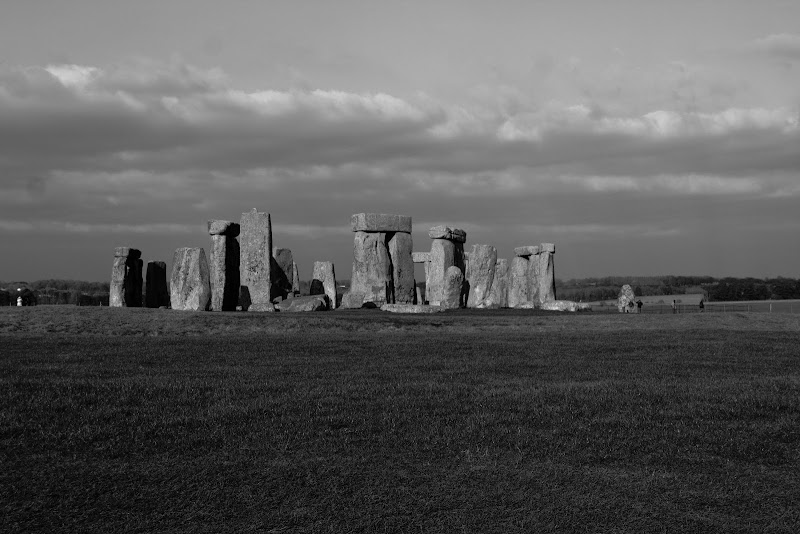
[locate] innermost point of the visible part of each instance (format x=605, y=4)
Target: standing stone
x=323, y=282
x=534, y=278
x=256, y=261
x=517, y=282
x=626, y=296
x=126, y=278
x=444, y=254
x=295, y=279
x=419, y=298
x=282, y=272
x=547, y=273
x=372, y=268
x=498, y=296
x=480, y=274
x=190, y=287
x=400, y=247
x=156, y=294
x=224, y=266
x=452, y=288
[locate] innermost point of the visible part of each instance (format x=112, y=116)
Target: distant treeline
x=714, y=289
x=75, y=292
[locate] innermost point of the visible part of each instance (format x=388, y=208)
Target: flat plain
x=137, y=420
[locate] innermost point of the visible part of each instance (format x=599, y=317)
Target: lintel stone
x=420, y=257
x=380, y=222
x=530, y=250
x=446, y=232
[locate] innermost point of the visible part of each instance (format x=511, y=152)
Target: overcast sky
x=640, y=137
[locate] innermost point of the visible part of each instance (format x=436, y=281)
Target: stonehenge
x=447, y=250
x=480, y=274
x=255, y=266
x=383, y=269
x=323, y=282
x=190, y=286
x=224, y=265
x=156, y=293
x=282, y=273
x=126, y=278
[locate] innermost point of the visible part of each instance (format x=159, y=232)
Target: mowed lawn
x=368, y=422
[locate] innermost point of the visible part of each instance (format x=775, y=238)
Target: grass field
x=140, y=420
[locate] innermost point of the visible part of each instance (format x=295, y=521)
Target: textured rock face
x=372, y=269
x=323, y=281
x=626, y=296
x=190, y=287
x=282, y=272
x=517, y=282
x=400, y=247
x=156, y=294
x=352, y=300
x=446, y=232
x=561, y=305
x=224, y=265
x=420, y=257
x=480, y=274
x=498, y=295
x=452, y=289
x=255, y=265
x=295, y=279
x=547, y=273
x=380, y=222
x=411, y=308
x=444, y=254
x=303, y=304
x=526, y=251
x=534, y=282
x=126, y=278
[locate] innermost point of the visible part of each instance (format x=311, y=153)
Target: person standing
x=702, y=306
x=674, y=306
x=639, y=306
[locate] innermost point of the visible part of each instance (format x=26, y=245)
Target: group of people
x=639, y=305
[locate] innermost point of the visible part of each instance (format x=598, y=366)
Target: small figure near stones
x=702, y=306
x=639, y=305
x=674, y=306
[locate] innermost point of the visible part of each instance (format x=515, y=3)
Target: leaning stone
x=126, y=278
x=400, y=247
x=480, y=273
x=498, y=295
x=420, y=257
x=444, y=254
x=281, y=272
x=255, y=265
x=156, y=295
x=547, y=273
x=372, y=268
x=517, y=282
x=323, y=281
x=380, y=222
x=304, y=304
x=445, y=232
x=217, y=227
x=452, y=290
x=411, y=308
x=526, y=251
x=189, y=284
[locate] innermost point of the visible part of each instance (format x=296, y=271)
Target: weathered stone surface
x=452, y=296
x=517, y=281
x=547, y=273
x=126, y=278
x=498, y=295
x=264, y=307
x=480, y=274
x=533, y=277
x=561, y=305
x=446, y=232
x=400, y=246
x=380, y=222
x=218, y=227
x=295, y=279
x=420, y=299
x=303, y=304
x=420, y=257
x=281, y=272
x=224, y=270
x=527, y=305
x=372, y=268
x=444, y=254
x=156, y=294
x=323, y=281
x=352, y=300
x=411, y=308
x=255, y=264
x=527, y=250
x=190, y=287
x=626, y=296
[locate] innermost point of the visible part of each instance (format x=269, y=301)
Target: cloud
x=780, y=45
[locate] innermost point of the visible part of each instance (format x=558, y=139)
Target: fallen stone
x=420, y=257
x=445, y=232
x=156, y=294
x=310, y=303
x=517, y=282
x=498, y=295
x=189, y=283
x=560, y=305
x=372, y=268
x=255, y=266
x=352, y=300
x=444, y=254
x=218, y=227
x=400, y=246
x=452, y=296
x=323, y=281
x=264, y=307
x=380, y=222
x=125, y=289
x=224, y=265
x=527, y=305
x=530, y=250
x=480, y=274
x=411, y=308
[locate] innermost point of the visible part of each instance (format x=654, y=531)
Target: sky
x=641, y=137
